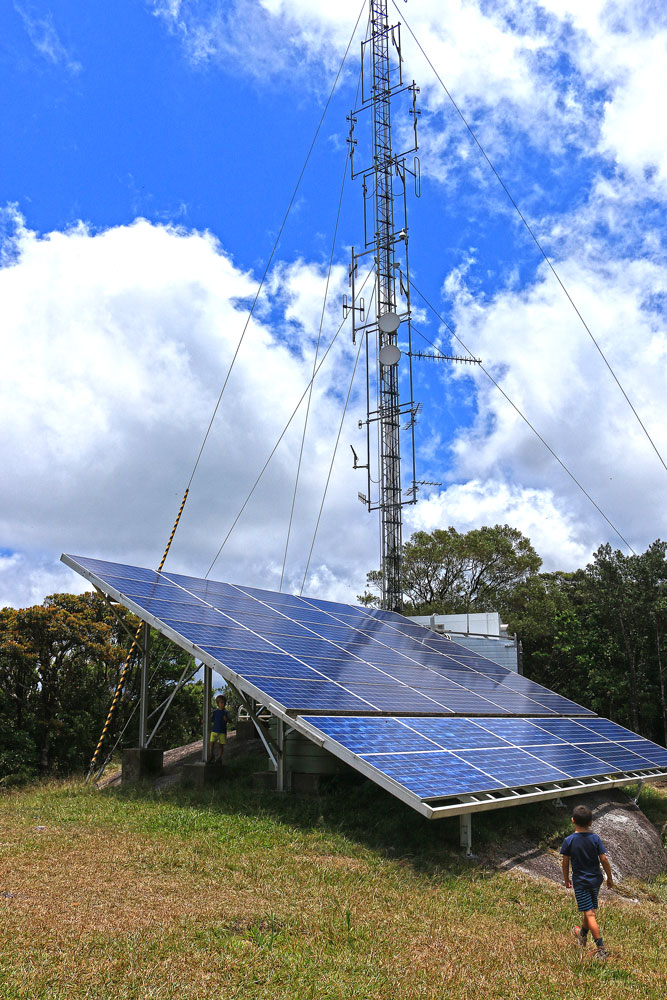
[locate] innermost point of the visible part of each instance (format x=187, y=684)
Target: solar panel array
x=392, y=697
x=436, y=758
x=310, y=655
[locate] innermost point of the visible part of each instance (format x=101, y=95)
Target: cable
x=535, y=240
x=317, y=348
x=275, y=447
x=136, y=706
x=135, y=644
x=515, y=407
x=326, y=485
x=275, y=247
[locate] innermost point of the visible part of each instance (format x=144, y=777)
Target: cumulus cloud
x=539, y=514
x=535, y=346
x=115, y=346
x=559, y=72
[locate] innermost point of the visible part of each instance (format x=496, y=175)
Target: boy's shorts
x=218, y=738
x=587, y=897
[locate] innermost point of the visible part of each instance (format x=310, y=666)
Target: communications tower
x=386, y=176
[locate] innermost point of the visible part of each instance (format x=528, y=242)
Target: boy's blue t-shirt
x=584, y=850
x=220, y=720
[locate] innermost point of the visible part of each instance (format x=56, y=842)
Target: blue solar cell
x=620, y=758
x=368, y=736
x=608, y=730
x=270, y=664
x=264, y=623
x=160, y=592
x=433, y=775
x=276, y=666
x=239, y=606
x=105, y=569
x=340, y=634
x=274, y=628
x=561, y=705
x=468, y=703
x=164, y=610
x=332, y=607
x=199, y=586
x=307, y=646
x=272, y=597
x=395, y=698
x=512, y=767
x=574, y=762
x=520, y=732
x=199, y=633
x=569, y=730
x=243, y=641
x=374, y=653
x=657, y=755
x=455, y=734
x=516, y=704
x=311, y=696
x=310, y=616
x=349, y=672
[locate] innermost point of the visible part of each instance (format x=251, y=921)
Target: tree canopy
x=445, y=572
x=59, y=666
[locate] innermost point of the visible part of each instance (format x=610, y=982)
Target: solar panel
x=312, y=649
x=507, y=753
x=426, y=718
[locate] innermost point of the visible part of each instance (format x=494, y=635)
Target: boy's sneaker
x=581, y=938
x=601, y=954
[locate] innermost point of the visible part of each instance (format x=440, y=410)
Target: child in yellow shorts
x=218, y=730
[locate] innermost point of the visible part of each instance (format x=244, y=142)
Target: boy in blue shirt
x=218, y=729
x=586, y=852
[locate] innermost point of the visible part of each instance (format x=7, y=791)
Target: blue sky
x=150, y=151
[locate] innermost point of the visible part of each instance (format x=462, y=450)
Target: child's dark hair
x=582, y=816
x=219, y=696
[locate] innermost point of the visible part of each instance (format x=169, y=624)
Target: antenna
x=384, y=186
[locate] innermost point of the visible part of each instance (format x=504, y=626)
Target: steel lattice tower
x=384, y=187
x=389, y=404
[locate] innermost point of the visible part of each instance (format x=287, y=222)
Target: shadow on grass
x=353, y=807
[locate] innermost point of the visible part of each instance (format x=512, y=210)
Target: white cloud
x=537, y=349
x=45, y=38
x=115, y=346
x=563, y=73
x=537, y=513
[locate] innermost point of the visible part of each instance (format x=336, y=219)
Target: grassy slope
x=131, y=895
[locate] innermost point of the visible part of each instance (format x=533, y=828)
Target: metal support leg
x=465, y=832
x=251, y=706
x=280, y=770
x=206, y=728
x=639, y=791
x=143, y=696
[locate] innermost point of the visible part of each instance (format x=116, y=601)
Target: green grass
x=133, y=895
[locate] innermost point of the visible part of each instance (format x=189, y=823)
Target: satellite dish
x=389, y=355
x=389, y=323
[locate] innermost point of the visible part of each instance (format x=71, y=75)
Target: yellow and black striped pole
x=135, y=643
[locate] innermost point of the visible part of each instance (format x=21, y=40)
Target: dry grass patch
x=124, y=898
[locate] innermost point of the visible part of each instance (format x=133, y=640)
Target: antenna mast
x=384, y=184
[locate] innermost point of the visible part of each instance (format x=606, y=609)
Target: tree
x=59, y=666
x=445, y=572
x=58, y=662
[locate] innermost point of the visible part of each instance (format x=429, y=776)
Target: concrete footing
x=304, y=783
x=265, y=780
x=299, y=782
x=200, y=773
x=139, y=764
x=245, y=730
